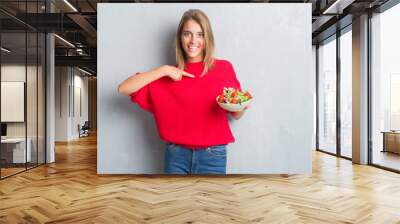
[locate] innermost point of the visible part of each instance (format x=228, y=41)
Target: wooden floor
x=5, y=172
x=387, y=159
x=70, y=191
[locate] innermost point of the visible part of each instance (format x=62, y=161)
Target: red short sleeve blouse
x=186, y=111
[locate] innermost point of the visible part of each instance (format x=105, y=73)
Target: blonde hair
x=199, y=17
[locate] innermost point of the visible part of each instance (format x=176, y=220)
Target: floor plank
x=70, y=191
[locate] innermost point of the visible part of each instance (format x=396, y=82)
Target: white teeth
x=193, y=49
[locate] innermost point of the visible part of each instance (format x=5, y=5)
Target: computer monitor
x=3, y=129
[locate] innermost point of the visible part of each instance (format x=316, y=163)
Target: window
x=346, y=94
x=385, y=88
x=327, y=96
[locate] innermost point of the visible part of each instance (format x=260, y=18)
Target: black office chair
x=84, y=130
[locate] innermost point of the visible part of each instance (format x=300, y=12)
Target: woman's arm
x=136, y=82
x=238, y=115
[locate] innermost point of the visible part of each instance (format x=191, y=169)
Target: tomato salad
x=234, y=96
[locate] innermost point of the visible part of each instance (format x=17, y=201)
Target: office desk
x=391, y=141
x=17, y=150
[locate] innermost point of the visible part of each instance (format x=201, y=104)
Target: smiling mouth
x=193, y=49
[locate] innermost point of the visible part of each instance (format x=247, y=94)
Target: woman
x=182, y=99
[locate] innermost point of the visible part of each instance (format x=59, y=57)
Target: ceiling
x=76, y=22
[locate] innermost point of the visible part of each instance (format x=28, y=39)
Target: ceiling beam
x=85, y=61
x=86, y=26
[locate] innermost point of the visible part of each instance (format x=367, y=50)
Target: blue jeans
x=181, y=160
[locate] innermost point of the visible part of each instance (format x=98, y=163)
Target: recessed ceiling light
x=5, y=50
x=64, y=40
x=337, y=7
x=86, y=72
x=70, y=5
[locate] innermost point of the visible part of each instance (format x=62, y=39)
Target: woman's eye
x=189, y=35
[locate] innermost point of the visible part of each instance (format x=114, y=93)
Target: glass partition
x=346, y=94
x=385, y=90
x=41, y=85
x=327, y=96
x=22, y=78
x=14, y=153
x=31, y=100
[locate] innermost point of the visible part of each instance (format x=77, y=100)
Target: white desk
x=19, y=149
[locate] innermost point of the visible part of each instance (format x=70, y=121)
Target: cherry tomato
x=221, y=98
x=248, y=95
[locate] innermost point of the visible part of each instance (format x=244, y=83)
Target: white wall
x=15, y=72
x=270, y=48
x=80, y=84
x=12, y=101
x=12, y=73
x=61, y=103
x=67, y=84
